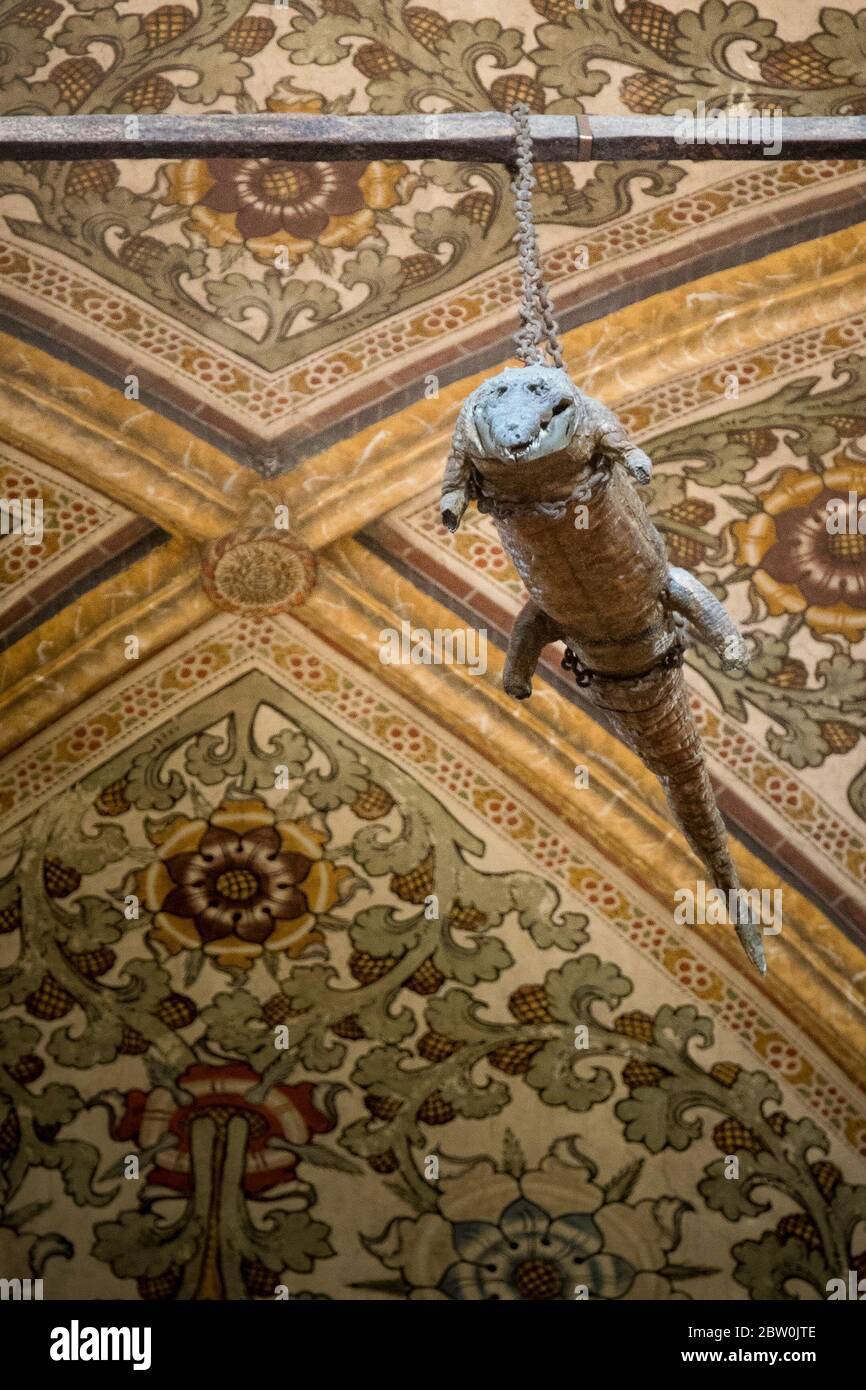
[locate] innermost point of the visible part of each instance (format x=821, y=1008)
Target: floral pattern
x=187, y=981
x=800, y=565
x=409, y=1102
x=547, y=1235
x=267, y=204
x=239, y=883
x=378, y=227
x=285, y=1115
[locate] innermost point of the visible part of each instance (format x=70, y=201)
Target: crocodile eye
x=500, y=390
x=535, y=387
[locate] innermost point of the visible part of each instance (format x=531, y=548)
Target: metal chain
x=536, y=310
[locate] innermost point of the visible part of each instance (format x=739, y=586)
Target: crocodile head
x=526, y=413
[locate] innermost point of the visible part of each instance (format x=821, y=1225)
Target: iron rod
x=485, y=136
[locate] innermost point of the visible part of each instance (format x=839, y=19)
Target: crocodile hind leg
x=653, y=717
x=533, y=631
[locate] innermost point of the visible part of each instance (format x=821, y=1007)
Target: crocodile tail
x=652, y=716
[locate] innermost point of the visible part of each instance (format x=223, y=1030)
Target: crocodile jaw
x=526, y=413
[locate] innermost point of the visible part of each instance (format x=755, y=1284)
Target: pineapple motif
x=374, y=802
x=798, y=1226
x=50, y=1000
x=91, y=178
x=760, y=442
x=554, y=178
x=59, y=879
x=694, y=511
x=652, y=24
x=425, y=26
x=436, y=1110
x=841, y=737
x=259, y=1281
x=417, y=885
x=375, y=60
x=10, y=1135
x=343, y=7
x=75, y=79
x=416, y=269
x=10, y=916
x=132, y=1043
x=149, y=94
x=729, y=1136
x=366, y=969
x=141, y=254
x=637, y=1073
x=436, y=1047
x=277, y=1010
x=348, y=1028
x=827, y=1176
x=849, y=426
x=791, y=675
x=92, y=964
x=725, y=1073
x=688, y=551
x=176, y=1011
x=514, y=1058
x=112, y=799
x=684, y=550
x=779, y=1122
x=385, y=1162
x=383, y=1107
x=477, y=206
x=27, y=1069
x=529, y=1004
x=166, y=23
x=426, y=979
x=646, y=92
x=797, y=65
x=250, y=35
x=634, y=1025
x=557, y=11
x=506, y=91
x=35, y=14
x=160, y=1287
x=466, y=918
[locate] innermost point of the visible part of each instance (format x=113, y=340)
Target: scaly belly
x=602, y=583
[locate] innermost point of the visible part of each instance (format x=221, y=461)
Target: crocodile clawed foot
x=735, y=653
x=518, y=690
x=639, y=466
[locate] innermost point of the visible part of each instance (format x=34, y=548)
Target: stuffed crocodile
x=557, y=472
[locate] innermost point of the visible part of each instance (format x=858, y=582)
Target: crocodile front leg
x=458, y=483
x=455, y=491
x=688, y=596
x=611, y=439
x=533, y=631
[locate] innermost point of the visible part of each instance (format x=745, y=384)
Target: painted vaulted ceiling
x=188, y=345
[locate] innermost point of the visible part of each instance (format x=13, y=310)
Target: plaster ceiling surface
x=143, y=713
x=266, y=305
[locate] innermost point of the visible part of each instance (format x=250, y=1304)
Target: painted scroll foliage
x=344, y=1040
x=202, y=239
x=776, y=469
